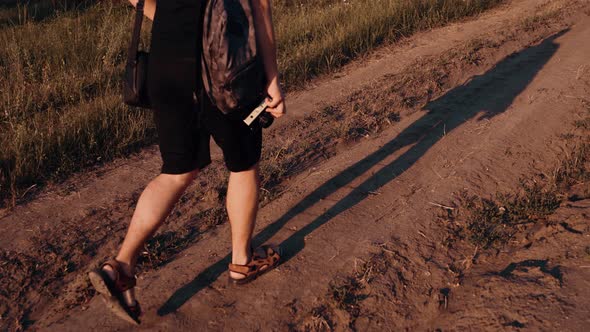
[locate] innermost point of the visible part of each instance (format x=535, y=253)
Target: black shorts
x=184, y=127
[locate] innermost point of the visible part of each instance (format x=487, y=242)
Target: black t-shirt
x=177, y=28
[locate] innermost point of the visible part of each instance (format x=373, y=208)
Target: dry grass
x=319, y=38
x=60, y=108
x=343, y=303
x=574, y=168
x=492, y=222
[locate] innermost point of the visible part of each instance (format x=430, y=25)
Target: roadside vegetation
x=61, y=63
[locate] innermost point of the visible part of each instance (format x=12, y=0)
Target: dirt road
x=511, y=95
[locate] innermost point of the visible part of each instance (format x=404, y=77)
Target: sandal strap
x=122, y=282
x=241, y=269
x=256, y=263
x=271, y=256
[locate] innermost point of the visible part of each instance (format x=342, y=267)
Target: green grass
x=60, y=70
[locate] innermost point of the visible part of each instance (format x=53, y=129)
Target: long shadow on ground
x=484, y=97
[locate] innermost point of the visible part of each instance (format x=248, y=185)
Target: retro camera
x=265, y=119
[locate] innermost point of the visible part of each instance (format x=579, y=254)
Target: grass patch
x=60, y=73
x=490, y=223
x=320, y=320
x=535, y=22
x=574, y=168
x=346, y=295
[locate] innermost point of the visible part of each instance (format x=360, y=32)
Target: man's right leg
x=242, y=206
x=154, y=205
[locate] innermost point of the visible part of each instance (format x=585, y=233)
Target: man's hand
x=265, y=39
x=276, y=102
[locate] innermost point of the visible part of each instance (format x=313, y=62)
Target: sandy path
x=378, y=192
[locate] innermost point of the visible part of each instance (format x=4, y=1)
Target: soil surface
x=486, y=102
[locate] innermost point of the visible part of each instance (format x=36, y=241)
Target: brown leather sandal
x=257, y=266
x=116, y=292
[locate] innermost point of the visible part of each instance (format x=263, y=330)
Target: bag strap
x=203, y=93
x=134, y=45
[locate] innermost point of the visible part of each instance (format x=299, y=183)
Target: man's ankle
x=126, y=266
x=241, y=257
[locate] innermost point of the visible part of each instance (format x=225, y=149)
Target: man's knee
x=252, y=169
x=181, y=180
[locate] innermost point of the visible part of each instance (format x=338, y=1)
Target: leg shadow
x=483, y=97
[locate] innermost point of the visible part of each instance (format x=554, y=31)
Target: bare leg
x=242, y=207
x=154, y=205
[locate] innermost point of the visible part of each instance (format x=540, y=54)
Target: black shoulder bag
x=135, y=80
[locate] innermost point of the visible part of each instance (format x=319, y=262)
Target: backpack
x=232, y=71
